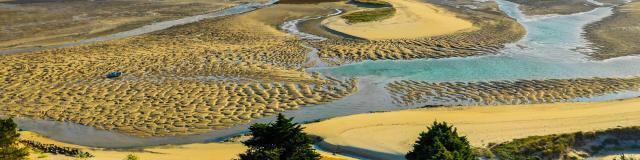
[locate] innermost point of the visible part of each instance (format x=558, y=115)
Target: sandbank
x=412, y=19
x=616, y=35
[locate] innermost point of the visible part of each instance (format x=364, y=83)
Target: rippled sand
x=185, y=80
x=494, y=29
x=410, y=92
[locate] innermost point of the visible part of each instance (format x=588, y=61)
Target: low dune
x=394, y=132
x=412, y=19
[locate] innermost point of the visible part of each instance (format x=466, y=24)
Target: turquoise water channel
x=550, y=49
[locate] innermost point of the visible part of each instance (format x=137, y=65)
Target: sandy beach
x=413, y=19
x=394, y=132
x=199, y=151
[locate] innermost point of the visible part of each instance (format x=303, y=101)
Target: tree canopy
x=282, y=140
x=441, y=142
x=9, y=136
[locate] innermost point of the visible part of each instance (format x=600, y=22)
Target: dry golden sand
x=394, y=132
x=494, y=29
x=199, y=151
x=413, y=19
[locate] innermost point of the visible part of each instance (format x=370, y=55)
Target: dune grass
x=370, y=15
x=376, y=14
x=568, y=146
x=373, y=2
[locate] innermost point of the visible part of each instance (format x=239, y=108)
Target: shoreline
x=522, y=121
x=613, y=36
x=390, y=134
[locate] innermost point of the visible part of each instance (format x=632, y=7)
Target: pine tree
x=9, y=148
x=282, y=140
x=441, y=142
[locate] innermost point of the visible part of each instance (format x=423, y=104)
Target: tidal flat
x=616, y=35
x=185, y=80
x=410, y=92
x=32, y=23
x=207, y=80
x=563, y=7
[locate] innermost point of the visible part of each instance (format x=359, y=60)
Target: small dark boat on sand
x=114, y=74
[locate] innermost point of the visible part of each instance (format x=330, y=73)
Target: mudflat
x=545, y=7
x=25, y=23
x=188, y=79
x=616, y=35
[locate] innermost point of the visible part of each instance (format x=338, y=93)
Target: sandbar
x=412, y=19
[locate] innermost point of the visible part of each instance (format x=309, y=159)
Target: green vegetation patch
x=441, y=142
x=370, y=15
x=561, y=146
x=535, y=147
x=305, y=1
x=373, y=2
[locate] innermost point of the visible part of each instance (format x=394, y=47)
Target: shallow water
x=291, y=27
x=148, y=28
x=549, y=52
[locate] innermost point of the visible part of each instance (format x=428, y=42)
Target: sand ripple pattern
x=189, y=79
x=409, y=92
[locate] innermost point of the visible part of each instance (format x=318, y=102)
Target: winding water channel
x=549, y=52
x=243, y=8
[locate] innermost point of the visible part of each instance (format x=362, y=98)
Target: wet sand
x=616, y=35
x=392, y=133
x=408, y=92
x=185, y=80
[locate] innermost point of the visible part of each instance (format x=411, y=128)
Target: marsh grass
x=384, y=11
x=370, y=15
x=373, y=2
